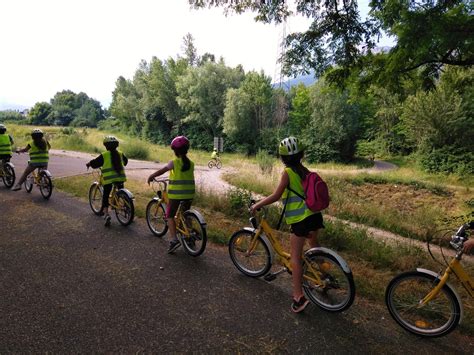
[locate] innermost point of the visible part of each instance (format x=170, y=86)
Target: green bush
x=265, y=161
x=239, y=200
x=448, y=160
x=73, y=141
x=136, y=150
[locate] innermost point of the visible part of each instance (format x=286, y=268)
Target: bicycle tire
x=256, y=264
x=436, y=318
x=126, y=209
x=219, y=164
x=337, y=292
x=95, y=198
x=195, y=243
x=45, y=185
x=210, y=164
x=29, y=183
x=156, y=218
x=8, y=175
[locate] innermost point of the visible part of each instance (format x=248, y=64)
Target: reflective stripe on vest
x=5, y=144
x=38, y=157
x=109, y=175
x=181, y=185
x=296, y=209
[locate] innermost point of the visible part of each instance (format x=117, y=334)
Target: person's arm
x=161, y=171
x=275, y=196
x=11, y=139
x=23, y=150
x=124, y=159
x=48, y=145
x=96, y=163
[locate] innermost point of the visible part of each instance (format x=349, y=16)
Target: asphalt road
x=70, y=285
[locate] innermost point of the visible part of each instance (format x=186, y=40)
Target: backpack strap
x=283, y=212
x=297, y=194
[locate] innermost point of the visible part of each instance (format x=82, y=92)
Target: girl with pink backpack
x=305, y=223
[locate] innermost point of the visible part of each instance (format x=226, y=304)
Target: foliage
x=248, y=111
x=440, y=123
x=10, y=115
x=334, y=127
x=239, y=200
x=339, y=37
x=265, y=161
x=136, y=150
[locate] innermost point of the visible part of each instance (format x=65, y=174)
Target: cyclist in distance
x=38, y=149
x=215, y=154
x=111, y=163
x=6, y=143
x=305, y=224
x=181, y=186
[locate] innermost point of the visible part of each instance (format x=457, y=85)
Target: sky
x=85, y=45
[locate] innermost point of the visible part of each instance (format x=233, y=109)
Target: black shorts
x=173, y=206
x=309, y=224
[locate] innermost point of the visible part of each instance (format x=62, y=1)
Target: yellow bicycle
x=190, y=224
x=327, y=279
x=7, y=173
x=120, y=200
x=423, y=302
x=42, y=178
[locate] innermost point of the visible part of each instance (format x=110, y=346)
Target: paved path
x=71, y=285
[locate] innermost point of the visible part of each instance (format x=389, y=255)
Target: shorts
x=173, y=206
x=309, y=224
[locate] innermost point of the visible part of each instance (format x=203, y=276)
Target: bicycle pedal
x=270, y=277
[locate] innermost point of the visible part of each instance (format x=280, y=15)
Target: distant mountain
x=307, y=80
x=10, y=106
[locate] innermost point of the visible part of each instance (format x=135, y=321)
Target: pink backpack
x=316, y=192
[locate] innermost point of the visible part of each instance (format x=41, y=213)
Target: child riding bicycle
x=304, y=223
x=6, y=143
x=111, y=163
x=181, y=188
x=38, y=149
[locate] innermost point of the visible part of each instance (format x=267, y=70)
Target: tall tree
x=429, y=33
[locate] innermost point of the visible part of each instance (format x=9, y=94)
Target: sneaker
x=108, y=219
x=299, y=306
x=16, y=187
x=174, y=244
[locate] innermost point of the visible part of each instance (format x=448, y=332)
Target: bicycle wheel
x=45, y=185
x=436, y=318
x=8, y=175
x=29, y=183
x=219, y=164
x=195, y=243
x=251, y=259
x=211, y=164
x=95, y=198
x=156, y=218
x=337, y=291
x=125, y=210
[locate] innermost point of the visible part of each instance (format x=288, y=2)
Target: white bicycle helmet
x=289, y=146
x=110, y=139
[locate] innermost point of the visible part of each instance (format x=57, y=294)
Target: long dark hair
x=116, y=161
x=40, y=142
x=181, y=153
x=294, y=163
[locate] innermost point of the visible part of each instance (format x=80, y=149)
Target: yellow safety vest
x=109, y=175
x=181, y=185
x=5, y=144
x=38, y=157
x=296, y=209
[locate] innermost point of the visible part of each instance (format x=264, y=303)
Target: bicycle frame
x=283, y=255
x=456, y=267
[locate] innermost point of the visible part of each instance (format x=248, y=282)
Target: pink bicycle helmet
x=179, y=142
